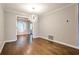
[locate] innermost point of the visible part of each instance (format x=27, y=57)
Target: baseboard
x=35, y=37
x=10, y=40
x=60, y=43
x=66, y=44
x=2, y=47
x=4, y=43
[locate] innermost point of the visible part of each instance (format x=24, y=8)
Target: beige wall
x=55, y=24
x=10, y=24
x=1, y=28
x=78, y=27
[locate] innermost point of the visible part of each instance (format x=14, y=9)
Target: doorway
x=24, y=30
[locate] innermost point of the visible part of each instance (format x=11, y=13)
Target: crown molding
x=58, y=9
x=17, y=12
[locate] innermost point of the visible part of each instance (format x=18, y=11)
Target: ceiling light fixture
x=34, y=8
x=34, y=16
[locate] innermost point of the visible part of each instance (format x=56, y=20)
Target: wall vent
x=50, y=37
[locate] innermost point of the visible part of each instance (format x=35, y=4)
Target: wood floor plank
x=39, y=46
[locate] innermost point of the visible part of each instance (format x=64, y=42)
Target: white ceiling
x=40, y=8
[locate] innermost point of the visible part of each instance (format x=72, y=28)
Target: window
x=21, y=26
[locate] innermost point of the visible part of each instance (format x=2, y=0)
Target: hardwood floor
x=38, y=47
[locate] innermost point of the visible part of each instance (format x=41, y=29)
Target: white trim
x=60, y=43
x=56, y=10
x=66, y=44
x=2, y=47
x=16, y=12
x=4, y=43
x=10, y=40
x=35, y=36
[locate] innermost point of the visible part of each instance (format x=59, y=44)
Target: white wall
x=1, y=28
x=54, y=23
x=10, y=24
x=35, y=29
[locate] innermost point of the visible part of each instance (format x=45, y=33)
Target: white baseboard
x=35, y=36
x=2, y=47
x=10, y=40
x=61, y=43
x=4, y=43
x=43, y=38
x=66, y=44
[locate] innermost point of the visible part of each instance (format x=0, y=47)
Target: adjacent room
x=39, y=29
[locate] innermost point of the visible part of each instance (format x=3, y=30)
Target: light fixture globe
x=33, y=17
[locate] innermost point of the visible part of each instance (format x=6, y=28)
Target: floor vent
x=50, y=37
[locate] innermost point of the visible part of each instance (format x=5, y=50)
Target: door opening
x=24, y=30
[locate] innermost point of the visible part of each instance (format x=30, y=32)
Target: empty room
x=39, y=29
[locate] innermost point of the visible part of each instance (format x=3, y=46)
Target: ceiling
x=40, y=8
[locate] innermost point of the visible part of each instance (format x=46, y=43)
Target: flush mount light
x=37, y=8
